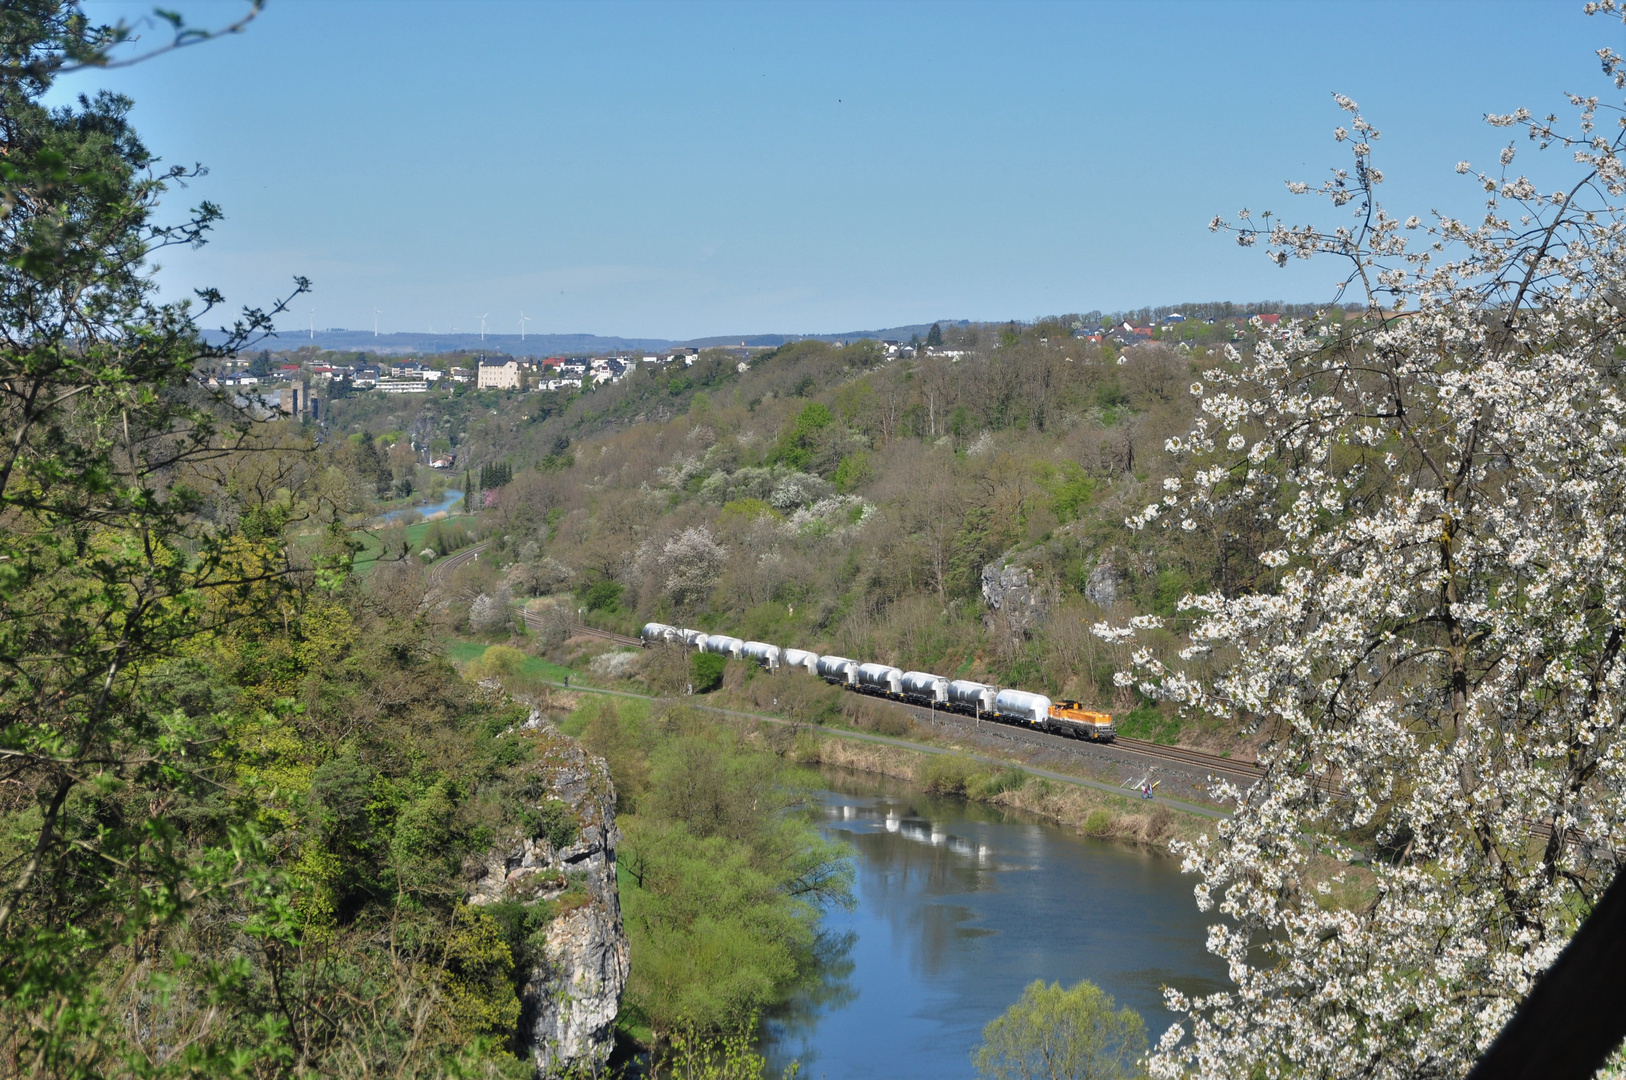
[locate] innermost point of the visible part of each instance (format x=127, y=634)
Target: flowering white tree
x=489, y=614
x=692, y=561
x=1436, y=671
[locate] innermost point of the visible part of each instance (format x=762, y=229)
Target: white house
x=498, y=376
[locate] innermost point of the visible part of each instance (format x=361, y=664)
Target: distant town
x=298, y=382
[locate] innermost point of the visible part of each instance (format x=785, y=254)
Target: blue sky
x=678, y=170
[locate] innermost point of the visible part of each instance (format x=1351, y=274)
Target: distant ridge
x=557, y=344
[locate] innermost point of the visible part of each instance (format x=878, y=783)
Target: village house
x=498, y=376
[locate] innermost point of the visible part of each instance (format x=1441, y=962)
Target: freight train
x=911, y=687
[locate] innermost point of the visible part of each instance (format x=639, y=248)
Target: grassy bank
x=1086, y=811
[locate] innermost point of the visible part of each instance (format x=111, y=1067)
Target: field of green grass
x=463, y=650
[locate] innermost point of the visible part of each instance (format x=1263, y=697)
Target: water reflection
x=829, y=987
x=959, y=907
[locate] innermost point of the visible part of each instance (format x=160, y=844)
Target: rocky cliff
x=1016, y=597
x=572, y=990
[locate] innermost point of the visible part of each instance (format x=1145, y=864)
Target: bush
x=706, y=671
x=1146, y=721
x=854, y=472
x=497, y=662
x=1098, y=823
x=554, y=624
x=602, y=596
x=871, y=715
x=554, y=822
x=1010, y=778
x=949, y=774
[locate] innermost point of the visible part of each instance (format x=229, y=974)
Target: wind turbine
x=483, y=326
x=523, y=319
x=376, y=314
x=313, y=324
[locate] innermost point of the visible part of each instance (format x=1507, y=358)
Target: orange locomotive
x=1072, y=718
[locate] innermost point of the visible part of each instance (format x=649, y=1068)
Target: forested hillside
x=825, y=497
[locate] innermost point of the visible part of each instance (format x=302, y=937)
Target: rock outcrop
x=572, y=993
x=1009, y=589
x=1105, y=583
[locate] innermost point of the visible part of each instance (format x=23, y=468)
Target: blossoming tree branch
x=1436, y=676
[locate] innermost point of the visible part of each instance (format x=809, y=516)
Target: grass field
x=461, y=651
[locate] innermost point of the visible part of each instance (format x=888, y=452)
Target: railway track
x=1136, y=755
x=453, y=561
x=1185, y=756
x=535, y=621
x=593, y=631
x=1178, y=757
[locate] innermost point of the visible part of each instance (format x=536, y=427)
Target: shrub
x=602, y=596
x=870, y=715
x=854, y=472
x=1098, y=823
x=616, y=665
x=554, y=822
x=489, y=614
x=949, y=774
x=1010, y=778
x=1146, y=721
x=497, y=662
x=1062, y=1033
x=706, y=671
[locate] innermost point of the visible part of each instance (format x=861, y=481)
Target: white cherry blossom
x=1436, y=674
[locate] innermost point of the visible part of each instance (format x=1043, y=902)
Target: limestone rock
x=1011, y=592
x=571, y=997
x=1105, y=583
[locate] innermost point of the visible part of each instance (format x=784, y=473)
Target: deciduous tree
x=1056, y=1034
x=1433, y=659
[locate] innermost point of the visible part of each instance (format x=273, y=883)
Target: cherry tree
x=692, y=562
x=1434, y=671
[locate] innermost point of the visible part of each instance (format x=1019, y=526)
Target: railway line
x=1184, y=755
x=1132, y=758
x=591, y=631
x=1124, y=750
x=1121, y=751
x=534, y=622
x=453, y=561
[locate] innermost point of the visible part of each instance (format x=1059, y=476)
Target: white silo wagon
x=972, y=698
x=837, y=669
x=924, y=688
x=1022, y=707
x=725, y=645
x=882, y=679
x=762, y=653
x=802, y=658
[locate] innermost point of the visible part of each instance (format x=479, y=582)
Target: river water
x=960, y=906
x=449, y=500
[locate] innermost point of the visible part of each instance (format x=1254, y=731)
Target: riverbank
x=1087, y=811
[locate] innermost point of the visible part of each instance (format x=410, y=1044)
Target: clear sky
x=687, y=169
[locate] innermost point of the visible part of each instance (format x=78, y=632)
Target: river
x=960, y=906
x=449, y=500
